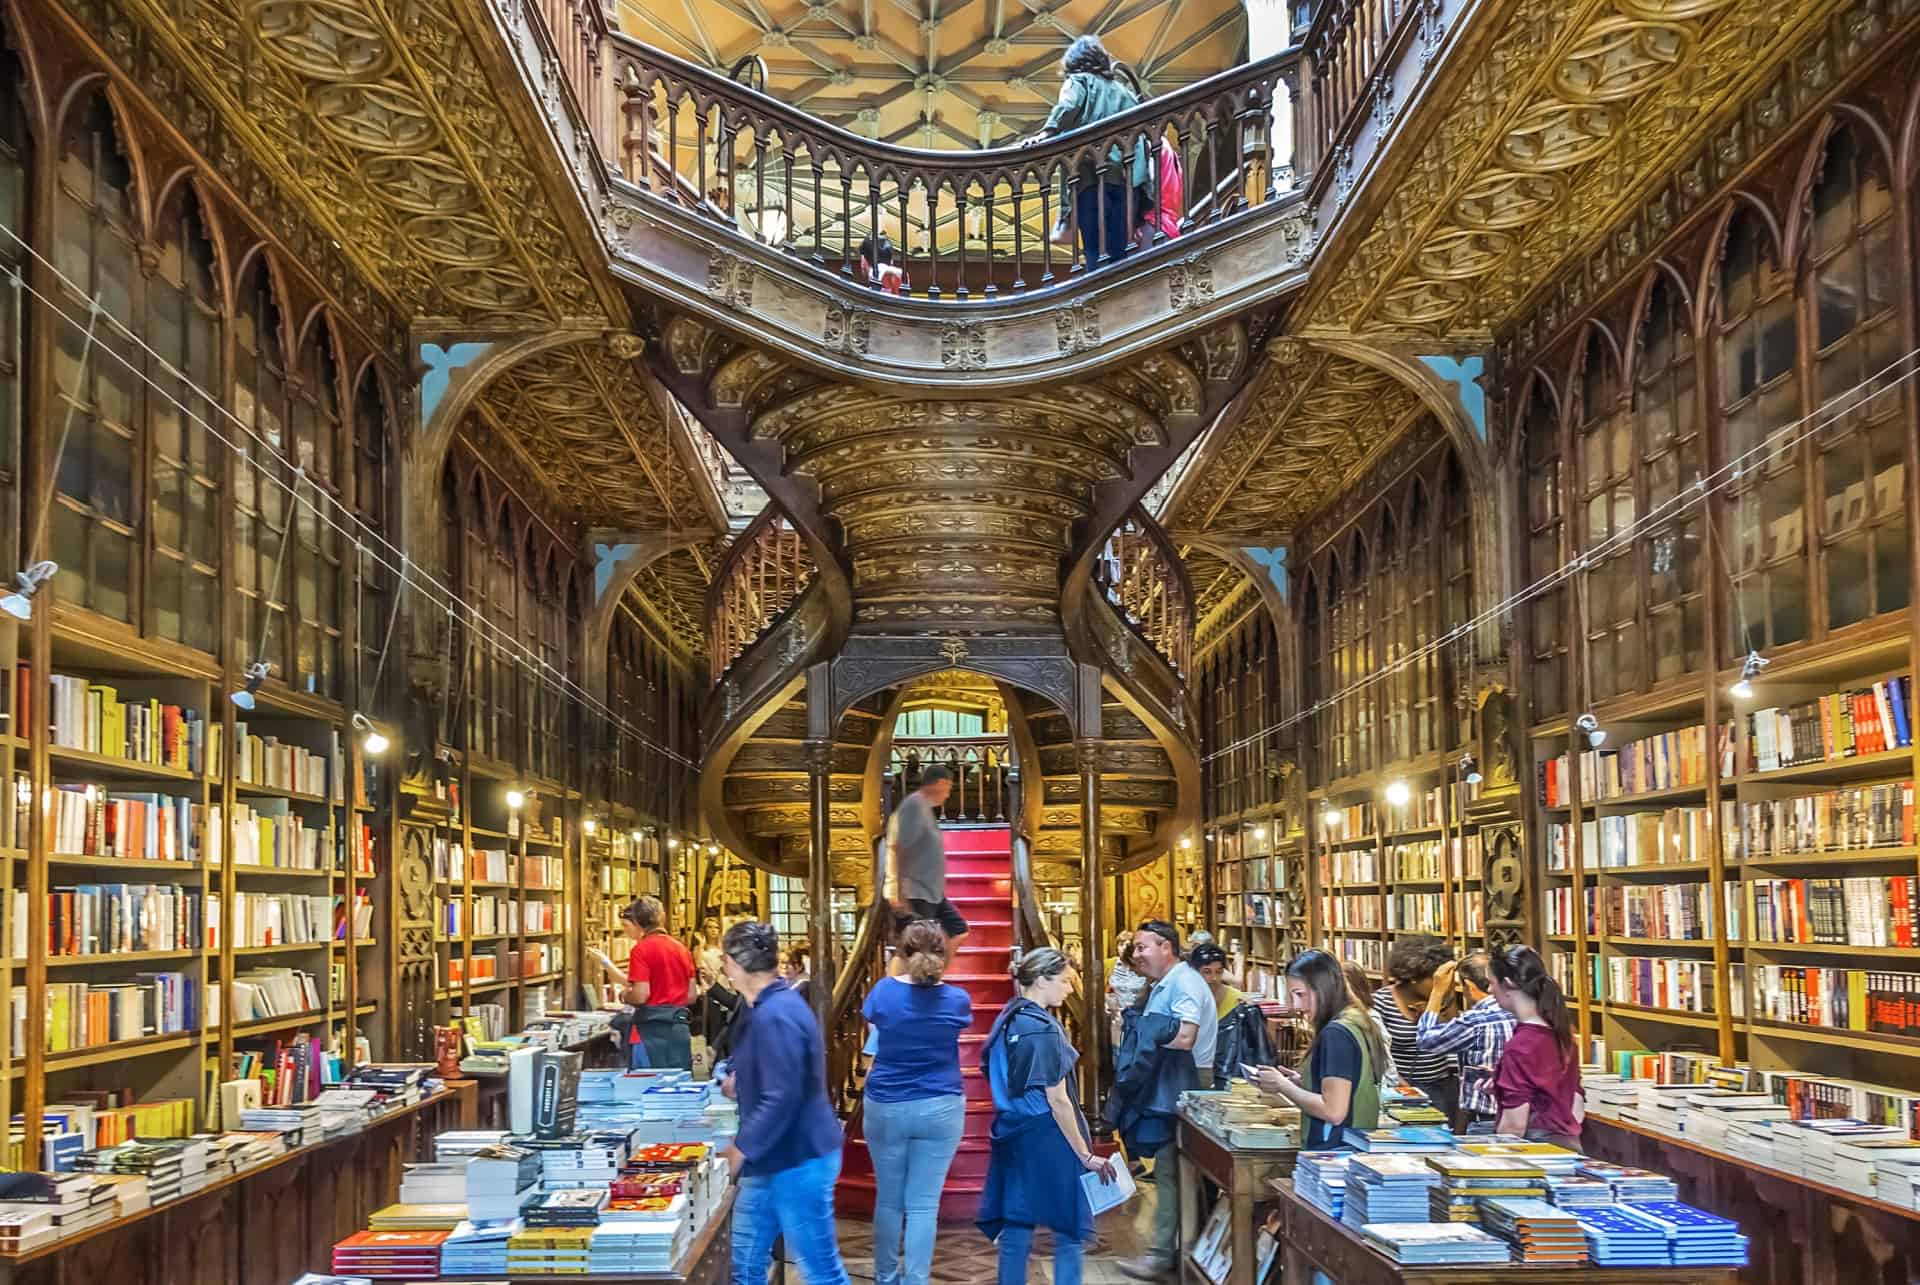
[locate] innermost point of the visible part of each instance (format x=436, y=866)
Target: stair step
x=993, y=839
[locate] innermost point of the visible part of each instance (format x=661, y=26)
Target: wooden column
x=820, y=873
x=1093, y=914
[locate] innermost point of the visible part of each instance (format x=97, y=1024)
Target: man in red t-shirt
x=659, y=985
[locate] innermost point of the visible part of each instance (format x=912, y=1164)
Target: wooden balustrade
x=579, y=32
x=985, y=782
x=1141, y=575
x=965, y=225
x=765, y=570
x=1346, y=48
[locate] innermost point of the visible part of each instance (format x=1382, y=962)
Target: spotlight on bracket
x=1750, y=668
x=1596, y=734
x=1470, y=769
x=19, y=603
x=372, y=739
x=1399, y=793
x=256, y=673
x=588, y=825
x=516, y=799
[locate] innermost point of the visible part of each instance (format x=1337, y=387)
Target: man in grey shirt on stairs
x=917, y=860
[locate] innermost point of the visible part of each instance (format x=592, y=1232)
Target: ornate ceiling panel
x=1565, y=122
x=585, y=423
x=380, y=119
x=1217, y=586
x=960, y=74
x=673, y=590
x=1313, y=423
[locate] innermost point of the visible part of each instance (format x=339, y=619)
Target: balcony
x=751, y=214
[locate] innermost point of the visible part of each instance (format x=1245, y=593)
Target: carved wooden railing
x=579, y=32
x=965, y=225
x=1347, y=48
x=765, y=570
x=1140, y=573
x=985, y=782
x=865, y=966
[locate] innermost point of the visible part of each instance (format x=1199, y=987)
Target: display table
x=1243, y=1177
x=598, y=1052
x=1797, y=1229
x=269, y=1224
x=708, y=1260
x=1311, y=1241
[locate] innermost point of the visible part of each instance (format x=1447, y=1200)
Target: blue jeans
x=912, y=1144
x=1016, y=1246
x=794, y=1205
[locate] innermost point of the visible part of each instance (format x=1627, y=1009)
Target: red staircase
x=980, y=884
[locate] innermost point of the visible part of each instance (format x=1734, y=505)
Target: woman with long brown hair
x=1337, y=1088
x=1537, y=1084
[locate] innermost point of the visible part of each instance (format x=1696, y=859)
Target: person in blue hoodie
x=787, y=1152
x=1041, y=1144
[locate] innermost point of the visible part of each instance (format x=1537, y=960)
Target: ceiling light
x=1750, y=668
x=1596, y=734
x=1398, y=794
x=713, y=849
x=256, y=673
x=1470, y=769
x=19, y=603
x=372, y=740
x=516, y=799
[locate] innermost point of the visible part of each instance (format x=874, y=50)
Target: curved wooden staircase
x=980, y=884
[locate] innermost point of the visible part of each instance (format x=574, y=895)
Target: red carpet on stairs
x=980, y=884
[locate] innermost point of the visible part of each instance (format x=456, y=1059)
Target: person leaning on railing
x=1091, y=91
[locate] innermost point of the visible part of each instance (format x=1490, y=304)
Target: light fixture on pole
x=1596, y=734
x=1186, y=841
x=1399, y=793
x=1259, y=832
x=372, y=739
x=1470, y=768
x=1750, y=668
x=19, y=603
x=256, y=672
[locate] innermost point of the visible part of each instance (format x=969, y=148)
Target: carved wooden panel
x=1504, y=882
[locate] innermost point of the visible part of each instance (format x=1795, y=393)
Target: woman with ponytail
x=915, y=1107
x=1537, y=1084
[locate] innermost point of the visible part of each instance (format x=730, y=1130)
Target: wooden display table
x=1242, y=1176
x=267, y=1225
x=708, y=1260
x=1311, y=1242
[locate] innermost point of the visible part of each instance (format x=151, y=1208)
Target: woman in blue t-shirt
x=914, y=1105
x=1040, y=1139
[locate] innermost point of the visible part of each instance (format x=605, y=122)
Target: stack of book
x=1804, y=1148
x=645, y=1235
x=1467, y=1181
x=501, y=1180
x=1696, y=1238
x=1435, y=1244
x=173, y=1168
x=407, y=1254
x=1554, y=1162
x=464, y=1144
x=1320, y=1179
x=1897, y=1179
x=1539, y=1232
x=55, y=1206
x=434, y=1183
x=1412, y=1140
x=443, y=1217
x=583, y=1160
x=1617, y=1237
x=1387, y=1189
x=555, y=1251
x=1630, y=1185
x=477, y=1249
x=25, y=1227
x=578, y=1208
x=1575, y=1192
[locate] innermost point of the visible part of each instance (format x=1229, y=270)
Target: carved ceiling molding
x=1793, y=92
x=1563, y=124
x=385, y=125
x=673, y=591
x=1379, y=474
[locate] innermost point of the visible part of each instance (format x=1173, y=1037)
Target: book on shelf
x=1864, y=910
x=1418, y=912
x=1656, y=837
x=273, y=919
x=1869, y=1001
x=82, y=1015
x=269, y=833
x=1428, y=808
x=290, y=1071
x=1457, y=856
x=1354, y=914
x=93, y=717
x=1370, y=955
x=1819, y=1097
x=114, y=918
x=1841, y=820
x=1871, y=719
x=1666, y=761
x=362, y=916
x=1350, y=865
x=1355, y=821
x=93, y=821
x=1677, y=985
x=267, y=760
x=1645, y=912
x=259, y=993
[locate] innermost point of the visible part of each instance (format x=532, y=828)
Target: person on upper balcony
x=1092, y=91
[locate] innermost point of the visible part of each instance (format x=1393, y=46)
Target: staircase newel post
x=820, y=875
x=1093, y=919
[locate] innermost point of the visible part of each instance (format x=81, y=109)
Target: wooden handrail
x=1142, y=575
x=963, y=225
x=763, y=574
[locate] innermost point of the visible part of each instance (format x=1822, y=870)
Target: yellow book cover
x=1856, y=1000
x=59, y=1014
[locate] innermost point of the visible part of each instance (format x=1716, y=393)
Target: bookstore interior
x=470, y=469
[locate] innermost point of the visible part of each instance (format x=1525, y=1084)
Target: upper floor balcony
x=716, y=195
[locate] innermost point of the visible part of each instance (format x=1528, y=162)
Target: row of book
x=93, y=717
x=269, y=833
x=1370, y=955
x=1863, y=720
x=82, y=1015
x=258, y=993
x=542, y=870
x=503, y=964
x=1866, y=910
x=1255, y=874
x=1846, y=999
x=1677, y=985
x=1426, y=911
x=490, y=865
x=1425, y=809
x=493, y=914
x=1660, y=912
x=1667, y=761
x=273, y=919
x=267, y=760
x=1350, y=865
x=1842, y=820
x=1457, y=857
x=115, y=918
x=91, y=821
x=1355, y=821
x=1354, y=914
x=1659, y=837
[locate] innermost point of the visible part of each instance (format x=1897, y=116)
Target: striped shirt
x=1417, y=1068
x=1478, y=1036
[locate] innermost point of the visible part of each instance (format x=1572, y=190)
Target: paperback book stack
x=1631, y=1186
x=417, y=1217
x=173, y=1167
x=1897, y=1180
x=1696, y=1238
x=1467, y=1181
x=1388, y=1189
x=556, y=1251
x=501, y=1180
x=61, y=1205
x=1555, y=1162
x=1409, y=1140
x=300, y=1121
x=1435, y=1244
x=464, y=1144
x=434, y=1183
x=1576, y=1192
x=24, y=1228
x=1617, y=1237
x=583, y=1160
x=578, y=1208
x=639, y=1235
x=477, y=1249
x=1320, y=1179
x=1810, y=1147
x=1539, y=1232
x=1857, y=1165
x=406, y=1254
x=1713, y=1116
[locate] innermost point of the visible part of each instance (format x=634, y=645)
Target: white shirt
x=1184, y=993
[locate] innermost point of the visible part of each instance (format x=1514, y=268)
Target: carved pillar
x=1093, y=919
x=820, y=872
